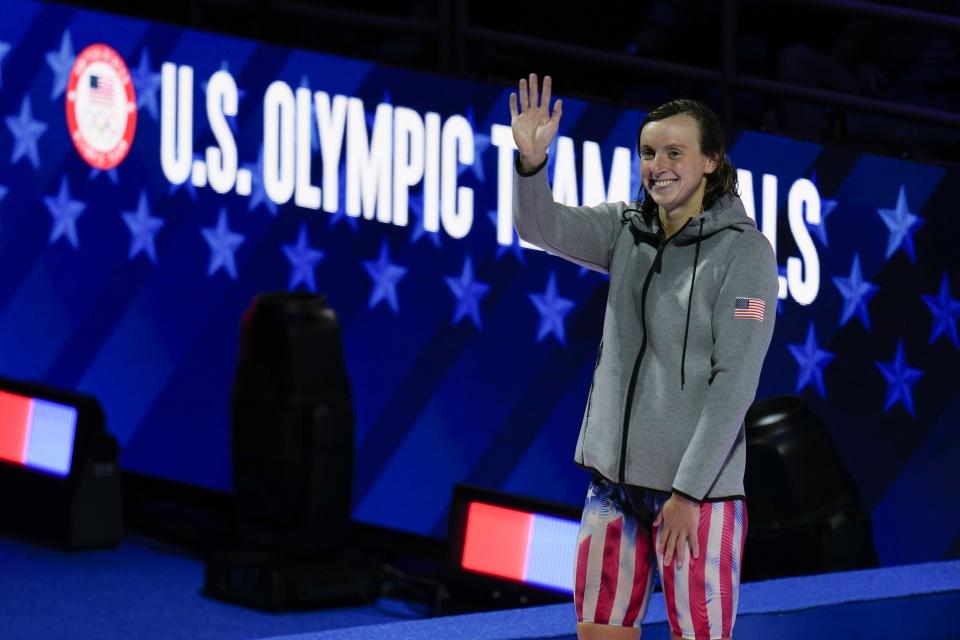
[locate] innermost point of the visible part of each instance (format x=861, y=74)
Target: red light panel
x=496, y=541
x=14, y=422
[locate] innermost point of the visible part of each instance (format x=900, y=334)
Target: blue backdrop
x=470, y=359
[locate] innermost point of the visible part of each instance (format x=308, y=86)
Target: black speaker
x=292, y=427
x=805, y=515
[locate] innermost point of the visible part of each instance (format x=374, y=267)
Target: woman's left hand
x=680, y=518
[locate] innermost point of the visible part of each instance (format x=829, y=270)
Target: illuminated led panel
x=496, y=541
x=551, y=552
x=521, y=546
x=14, y=425
x=37, y=433
x=52, y=430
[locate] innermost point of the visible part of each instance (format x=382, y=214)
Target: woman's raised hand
x=534, y=128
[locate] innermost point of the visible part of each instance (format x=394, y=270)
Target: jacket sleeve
x=739, y=347
x=584, y=235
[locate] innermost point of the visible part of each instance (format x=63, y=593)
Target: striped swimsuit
x=615, y=563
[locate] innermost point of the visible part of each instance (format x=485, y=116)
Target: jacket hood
x=726, y=212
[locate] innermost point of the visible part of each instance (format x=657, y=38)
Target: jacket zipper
x=655, y=265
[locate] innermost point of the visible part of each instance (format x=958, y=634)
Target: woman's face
x=672, y=167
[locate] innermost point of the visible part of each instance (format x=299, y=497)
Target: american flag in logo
x=101, y=90
x=749, y=308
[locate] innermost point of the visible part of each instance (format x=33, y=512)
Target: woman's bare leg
x=591, y=631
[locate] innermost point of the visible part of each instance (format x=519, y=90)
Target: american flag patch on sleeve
x=749, y=308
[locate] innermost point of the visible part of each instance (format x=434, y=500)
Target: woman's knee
x=593, y=631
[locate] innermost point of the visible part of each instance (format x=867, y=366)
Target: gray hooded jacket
x=688, y=322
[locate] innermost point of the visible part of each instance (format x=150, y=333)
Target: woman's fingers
x=677, y=548
x=534, y=127
x=557, y=110
x=530, y=97
x=669, y=545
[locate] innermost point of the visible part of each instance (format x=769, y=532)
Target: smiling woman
x=683, y=166
x=673, y=169
x=668, y=477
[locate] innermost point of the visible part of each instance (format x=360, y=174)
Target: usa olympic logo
x=101, y=107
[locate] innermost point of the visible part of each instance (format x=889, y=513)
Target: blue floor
x=142, y=591
x=138, y=591
x=929, y=616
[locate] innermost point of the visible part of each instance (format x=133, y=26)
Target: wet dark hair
x=723, y=180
